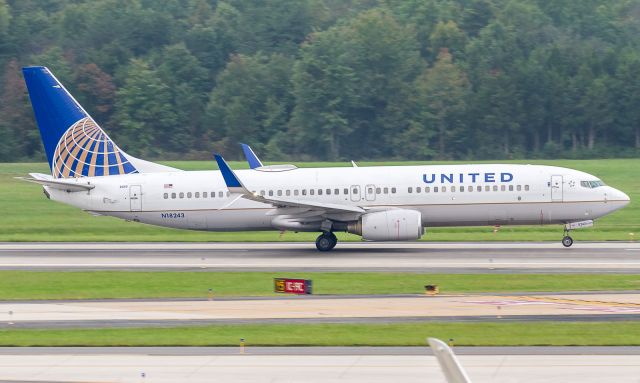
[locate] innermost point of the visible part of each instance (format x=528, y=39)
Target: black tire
x=567, y=241
x=326, y=241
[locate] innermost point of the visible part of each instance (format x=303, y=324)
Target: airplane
x=378, y=203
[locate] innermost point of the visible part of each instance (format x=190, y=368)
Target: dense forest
x=334, y=79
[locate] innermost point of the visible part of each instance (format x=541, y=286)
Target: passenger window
x=270, y=193
x=181, y=195
x=378, y=190
x=304, y=191
x=370, y=190
x=418, y=189
x=393, y=190
x=444, y=189
x=197, y=194
x=288, y=193
x=279, y=193
x=166, y=195
x=470, y=188
x=228, y=193
x=526, y=187
x=519, y=188
x=410, y=190
x=204, y=194
x=487, y=188
x=319, y=191
x=295, y=192
x=312, y=191
x=386, y=190
x=435, y=189
x=336, y=191
x=453, y=188
x=355, y=191
x=328, y=192
x=510, y=187
x=213, y=194
x=189, y=195
x=503, y=188
x=427, y=189
x=262, y=193
x=220, y=194
x=346, y=191
x=495, y=187
x=479, y=188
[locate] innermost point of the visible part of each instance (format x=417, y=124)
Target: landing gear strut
x=326, y=241
x=567, y=241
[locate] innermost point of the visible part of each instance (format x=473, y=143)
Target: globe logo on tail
x=85, y=150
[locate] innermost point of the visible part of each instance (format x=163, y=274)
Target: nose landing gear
x=326, y=241
x=567, y=241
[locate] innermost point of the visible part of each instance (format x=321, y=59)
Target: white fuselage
x=458, y=195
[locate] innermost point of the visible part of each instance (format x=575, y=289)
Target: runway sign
x=292, y=286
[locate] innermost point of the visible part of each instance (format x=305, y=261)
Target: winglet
x=449, y=364
x=254, y=161
x=230, y=179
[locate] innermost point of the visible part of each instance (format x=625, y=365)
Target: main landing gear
x=567, y=241
x=326, y=241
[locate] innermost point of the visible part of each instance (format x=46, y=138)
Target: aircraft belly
x=508, y=214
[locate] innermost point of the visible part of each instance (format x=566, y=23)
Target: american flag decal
x=168, y=186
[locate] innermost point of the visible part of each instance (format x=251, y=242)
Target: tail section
x=75, y=145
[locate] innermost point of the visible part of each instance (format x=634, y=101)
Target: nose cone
x=624, y=198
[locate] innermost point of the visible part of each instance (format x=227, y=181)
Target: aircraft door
x=355, y=193
x=556, y=188
x=135, y=197
x=370, y=192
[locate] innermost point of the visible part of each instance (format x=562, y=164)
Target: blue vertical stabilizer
x=75, y=145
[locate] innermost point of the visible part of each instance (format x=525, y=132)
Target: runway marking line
x=581, y=302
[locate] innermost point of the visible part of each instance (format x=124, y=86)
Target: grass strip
x=27, y=285
x=410, y=334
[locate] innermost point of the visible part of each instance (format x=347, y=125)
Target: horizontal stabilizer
x=67, y=184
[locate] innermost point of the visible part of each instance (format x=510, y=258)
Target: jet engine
x=388, y=225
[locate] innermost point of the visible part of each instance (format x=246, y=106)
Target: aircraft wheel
x=326, y=241
x=567, y=241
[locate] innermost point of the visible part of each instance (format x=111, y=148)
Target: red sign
x=292, y=286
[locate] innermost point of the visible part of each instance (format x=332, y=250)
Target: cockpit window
x=591, y=184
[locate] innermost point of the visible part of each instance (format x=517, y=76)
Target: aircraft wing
x=66, y=184
x=235, y=186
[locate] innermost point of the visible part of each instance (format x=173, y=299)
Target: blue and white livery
x=381, y=203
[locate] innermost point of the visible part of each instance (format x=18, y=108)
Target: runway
x=158, y=313
x=582, y=257
x=295, y=367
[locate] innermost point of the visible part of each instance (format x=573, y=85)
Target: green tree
x=351, y=85
x=447, y=35
x=252, y=103
x=144, y=113
x=442, y=93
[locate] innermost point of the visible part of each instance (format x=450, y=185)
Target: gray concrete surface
x=590, y=257
x=295, y=367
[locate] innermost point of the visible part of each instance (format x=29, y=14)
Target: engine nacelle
x=389, y=225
